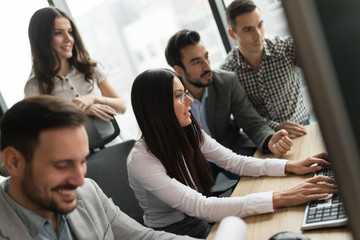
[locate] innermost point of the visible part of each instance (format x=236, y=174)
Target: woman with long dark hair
x=169, y=171
x=61, y=66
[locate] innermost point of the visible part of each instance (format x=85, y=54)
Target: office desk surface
x=285, y=219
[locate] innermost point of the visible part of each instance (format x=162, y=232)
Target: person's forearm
x=117, y=103
x=278, y=200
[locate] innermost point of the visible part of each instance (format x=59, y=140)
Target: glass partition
x=15, y=58
x=128, y=37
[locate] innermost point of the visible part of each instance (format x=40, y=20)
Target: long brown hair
x=45, y=61
x=178, y=148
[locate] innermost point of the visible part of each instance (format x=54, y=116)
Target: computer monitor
x=327, y=37
x=3, y=107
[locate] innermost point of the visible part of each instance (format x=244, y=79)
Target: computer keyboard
x=326, y=212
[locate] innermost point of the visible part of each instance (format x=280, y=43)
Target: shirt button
x=67, y=79
x=77, y=95
x=72, y=88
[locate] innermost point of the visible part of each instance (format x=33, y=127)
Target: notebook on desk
x=327, y=212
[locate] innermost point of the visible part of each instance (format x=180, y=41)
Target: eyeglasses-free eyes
x=182, y=95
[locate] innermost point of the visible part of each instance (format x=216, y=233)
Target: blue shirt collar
x=198, y=109
x=204, y=96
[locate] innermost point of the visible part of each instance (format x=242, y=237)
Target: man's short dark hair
x=178, y=41
x=237, y=8
x=22, y=124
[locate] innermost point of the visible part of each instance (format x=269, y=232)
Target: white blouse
x=74, y=85
x=165, y=200
x=71, y=86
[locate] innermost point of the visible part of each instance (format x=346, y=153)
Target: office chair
x=108, y=169
x=225, y=182
x=96, y=141
x=223, y=186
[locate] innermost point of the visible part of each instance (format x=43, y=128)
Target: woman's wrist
x=289, y=167
x=278, y=200
x=101, y=100
x=105, y=101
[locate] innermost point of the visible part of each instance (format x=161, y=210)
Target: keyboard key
x=331, y=217
x=313, y=220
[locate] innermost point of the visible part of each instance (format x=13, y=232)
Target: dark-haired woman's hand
x=311, y=189
x=307, y=165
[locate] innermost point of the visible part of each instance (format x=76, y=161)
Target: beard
x=40, y=200
x=197, y=81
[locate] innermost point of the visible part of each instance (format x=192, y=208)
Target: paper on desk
x=231, y=228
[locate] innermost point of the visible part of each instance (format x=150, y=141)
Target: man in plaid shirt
x=267, y=69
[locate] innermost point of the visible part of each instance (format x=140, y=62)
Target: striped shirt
x=275, y=88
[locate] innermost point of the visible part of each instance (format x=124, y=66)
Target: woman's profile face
x=182, y=110
x=63, y=39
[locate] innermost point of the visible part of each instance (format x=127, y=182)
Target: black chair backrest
x=96, y=141
x=108, y=168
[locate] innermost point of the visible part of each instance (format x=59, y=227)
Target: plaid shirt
x=274, y=89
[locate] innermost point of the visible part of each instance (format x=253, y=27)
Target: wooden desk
x=261, y=227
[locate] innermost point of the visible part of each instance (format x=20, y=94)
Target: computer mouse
x=289, y=236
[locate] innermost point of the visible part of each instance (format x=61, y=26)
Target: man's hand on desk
x=280, y=143
x=295, y=130
x=307, y=165
x=311, y=189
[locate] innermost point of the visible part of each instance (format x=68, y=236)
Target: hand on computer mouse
x=289, y=236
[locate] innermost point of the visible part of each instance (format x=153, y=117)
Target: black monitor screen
x=340, y=21
x=327, y=37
